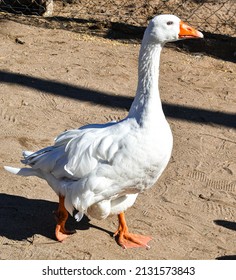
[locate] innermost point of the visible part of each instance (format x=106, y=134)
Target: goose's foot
x=61, y=216
x=61, y=233
x=129, y=240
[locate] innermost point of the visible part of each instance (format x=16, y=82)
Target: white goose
x=100, y=169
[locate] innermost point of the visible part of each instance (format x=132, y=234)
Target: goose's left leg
x=61, y=216
x=127, y=239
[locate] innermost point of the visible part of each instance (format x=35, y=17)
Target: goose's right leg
x=61, y=217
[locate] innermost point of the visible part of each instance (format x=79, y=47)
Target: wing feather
x=77, y=152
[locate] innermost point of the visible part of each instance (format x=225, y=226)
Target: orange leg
x=61, y=216
x=127, y=239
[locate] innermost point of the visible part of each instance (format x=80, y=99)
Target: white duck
x=100, y=169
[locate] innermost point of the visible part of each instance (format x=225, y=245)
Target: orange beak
x=186, y=31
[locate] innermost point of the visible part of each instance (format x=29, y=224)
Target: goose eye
x=170, y=22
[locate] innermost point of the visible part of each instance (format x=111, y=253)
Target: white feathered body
x=100, y=169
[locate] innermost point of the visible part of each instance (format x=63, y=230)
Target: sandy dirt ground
x=53, y=80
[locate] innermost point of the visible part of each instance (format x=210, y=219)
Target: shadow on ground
x=226, y=224
x=21, y=218
x=231, y=226
x=186, y=113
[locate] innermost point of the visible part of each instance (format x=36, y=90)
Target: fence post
x=46, y=8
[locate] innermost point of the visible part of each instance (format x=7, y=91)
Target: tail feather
x=22, y=171
x=27, y=153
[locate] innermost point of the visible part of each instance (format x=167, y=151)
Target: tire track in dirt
x=219, y=209
x=211, y=203
x=221, y=185
x=51, y=105
x=112, y=118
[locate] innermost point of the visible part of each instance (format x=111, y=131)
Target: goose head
x=169, y=28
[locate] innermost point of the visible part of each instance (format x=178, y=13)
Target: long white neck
x=146, y=107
